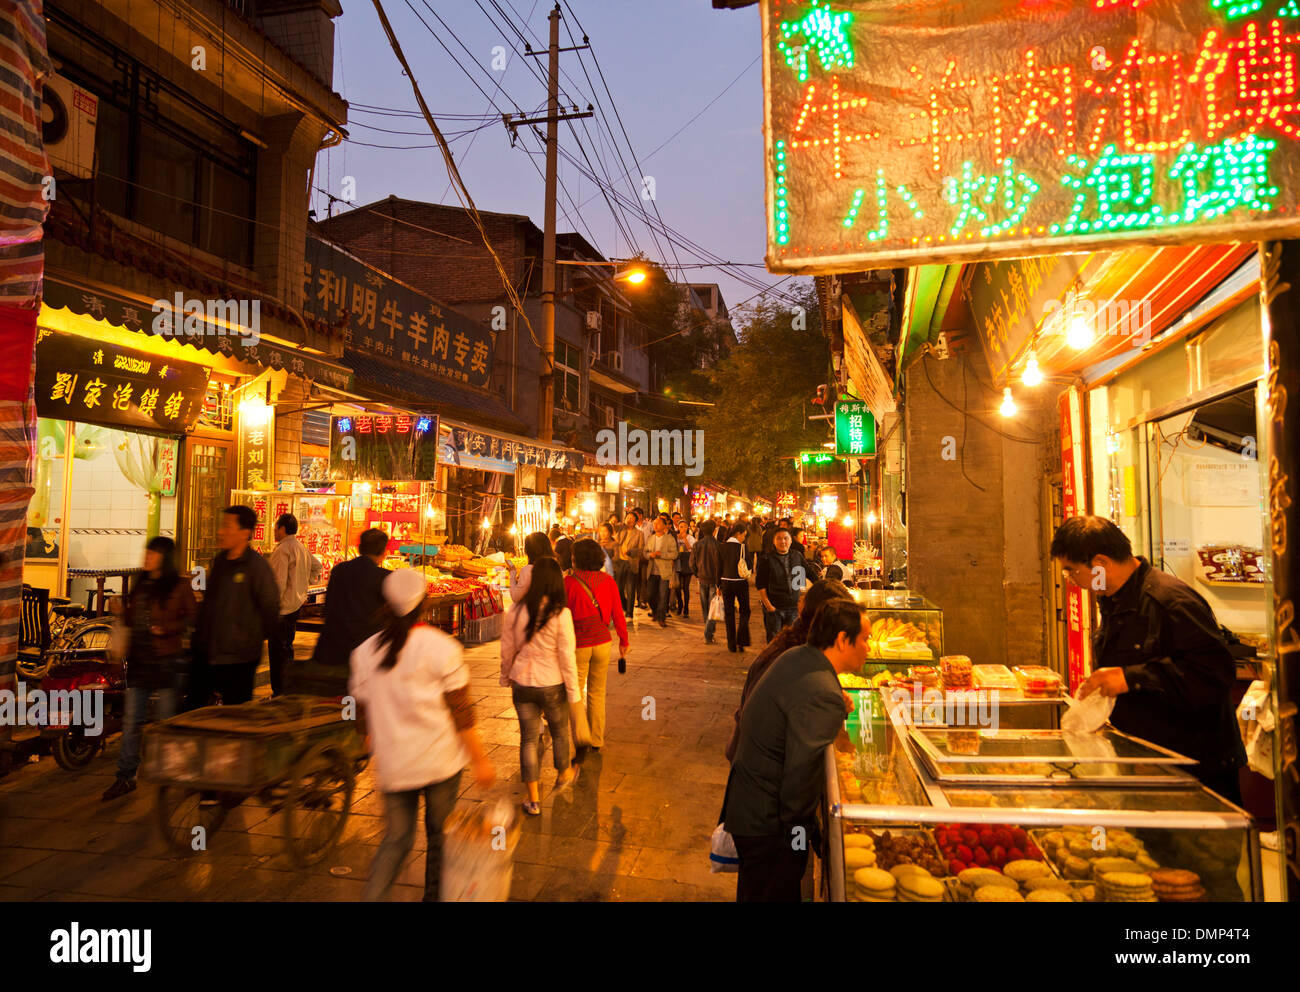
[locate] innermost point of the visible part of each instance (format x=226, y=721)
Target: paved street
x=636, y=826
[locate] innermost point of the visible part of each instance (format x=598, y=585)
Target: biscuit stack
x=1177, y=885
x=955, y=671
x=915, y=884
x=1127, y=886
x=871, y=885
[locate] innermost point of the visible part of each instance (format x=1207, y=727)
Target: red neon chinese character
x=1251, y=82
x=403, y=424
x=1037, y=97
x=364, y=425
x=834, y=137
x=383, y=424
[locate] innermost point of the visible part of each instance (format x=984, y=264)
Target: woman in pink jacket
x=538, y=663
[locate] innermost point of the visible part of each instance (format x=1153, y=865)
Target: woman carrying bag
x=158, y=610
x=735, y=589
x=536, y=545
x=593, y=599
x=538, y=663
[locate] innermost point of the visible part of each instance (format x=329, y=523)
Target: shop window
x=206, y=497
x=1230, y=350
x=218, y=407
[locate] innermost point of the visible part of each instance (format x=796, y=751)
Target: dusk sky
x=664, y=63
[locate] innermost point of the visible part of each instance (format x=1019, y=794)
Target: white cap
x=405, y=589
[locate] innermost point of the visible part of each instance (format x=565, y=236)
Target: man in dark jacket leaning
x=782, y=577
x=353, y=599
x=240, y=610
x=776, y=781
x=1158, y=651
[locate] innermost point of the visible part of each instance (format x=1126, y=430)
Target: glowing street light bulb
x=589, y=507
x=736, y=508
x=1009, y=407
x=1032, y=376
x=848, y=520
x=514, y=529
x=487, y=524
x=627, y=476
x=871, y=518
x=1079, y=335
x=636, y=276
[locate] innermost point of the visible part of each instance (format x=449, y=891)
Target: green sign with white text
x=855, y=429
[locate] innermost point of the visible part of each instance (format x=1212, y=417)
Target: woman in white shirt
x=413, y=686
x=539, y=663
x=536, y=545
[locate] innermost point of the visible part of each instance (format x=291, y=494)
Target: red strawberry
x=941, y=837
x=998, y=856
x=956, y=867
x=1015, y=854
x=971, y=838
x=1003, y=836
x=1033, y=853
x=981, y=857
x=964, y=853
x=1020, y=837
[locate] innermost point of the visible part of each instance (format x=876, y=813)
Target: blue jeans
x=401, y=807
x=706, y=598
x=133, y=720
x=531, y=701
x=778, y=618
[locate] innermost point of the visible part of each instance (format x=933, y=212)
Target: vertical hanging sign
x=256, y=446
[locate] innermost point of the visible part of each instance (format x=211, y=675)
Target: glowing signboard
x=919, y=131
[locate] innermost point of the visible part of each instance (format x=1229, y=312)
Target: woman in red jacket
x=594, y=601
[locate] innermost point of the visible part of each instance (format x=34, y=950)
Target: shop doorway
x=208, y=490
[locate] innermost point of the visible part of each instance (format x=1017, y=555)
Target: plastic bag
x=1256, y=720
x=722, y=851
x=1086, y=716
x=717, y=608
x=478, y=853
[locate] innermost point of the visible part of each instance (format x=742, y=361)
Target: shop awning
x=472, y=447
x=122, y=311
x=927, y=294
x=407, y=386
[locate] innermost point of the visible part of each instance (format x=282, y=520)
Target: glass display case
x=906, y=629
x=1117, y=819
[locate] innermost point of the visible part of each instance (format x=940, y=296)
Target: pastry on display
x=1023, y=870
x=955, y=671
x=919, y=888
x=914, y=848
x=993, y=677
x=1035, y=680
x=873, y=885
x=859, y=857
x=927, y=675
x=1046, y=882
x=894, y=638
x=963, y=741
x=1127, y=886
x=849, y=680
x=1048, y=895
x=996, y=893
x=1177, y=885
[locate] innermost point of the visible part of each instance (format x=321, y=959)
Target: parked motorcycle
x=80, y=662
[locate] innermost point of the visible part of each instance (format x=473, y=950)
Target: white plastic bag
x=717, y=608
x=722, y=851
x=478, y=853
x=1255, y=718
x=1085, y=716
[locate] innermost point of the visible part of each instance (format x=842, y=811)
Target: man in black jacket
x=353, y=599
x=706, y=563
x=775, y=786
x=782, y=576
x=1158, y=651
x=240, y=610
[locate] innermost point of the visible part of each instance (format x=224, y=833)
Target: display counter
x=1102, y=818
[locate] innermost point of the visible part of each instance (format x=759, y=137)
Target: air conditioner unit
x=68, y=126
x=616, y=360
x=593, y=320
x=609, y=417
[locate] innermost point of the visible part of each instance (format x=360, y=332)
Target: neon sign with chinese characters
x=896, y=136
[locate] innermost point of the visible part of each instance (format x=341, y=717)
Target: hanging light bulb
x=871, y=518
x=1032, y=376
x=1009, y=407
x=1079, y=335
x=848, y=520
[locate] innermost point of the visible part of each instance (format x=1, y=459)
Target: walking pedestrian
x=661, y=550
x=594, y=602
x=627, y=563
x=735, y=590
x=156, y=613
x=605, y=538
x=814, y=598
x=775, y=785
x=646, y=527
x=706, y=562
x=563, y=545
x=412, y=685
x=240, y=611
x=354, y=599
x=539, y=663
x=295, y=568
x=682, y=566
x=753, y=541
x=782, y=575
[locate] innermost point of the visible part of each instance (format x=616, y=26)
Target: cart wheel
x=74, y=750
x=319, y=801
x=180, y=814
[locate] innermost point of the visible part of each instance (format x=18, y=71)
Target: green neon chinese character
x=1012, y=191
x=1224, y=177
x=823, y=30
x=1119, y=187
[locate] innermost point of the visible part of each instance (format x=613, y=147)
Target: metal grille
x=316, y=427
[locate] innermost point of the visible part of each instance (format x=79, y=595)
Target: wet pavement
x=636, y=826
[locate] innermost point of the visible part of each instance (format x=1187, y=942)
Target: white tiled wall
x=103, y=499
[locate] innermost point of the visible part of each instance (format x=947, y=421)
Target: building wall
x=974, y=544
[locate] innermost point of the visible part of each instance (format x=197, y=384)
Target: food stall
x=923, y=811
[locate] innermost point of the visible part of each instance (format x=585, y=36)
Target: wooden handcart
x=300, y=754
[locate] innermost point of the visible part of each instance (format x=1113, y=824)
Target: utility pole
x=546, y=384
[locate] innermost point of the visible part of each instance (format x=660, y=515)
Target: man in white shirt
x=295, y=568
